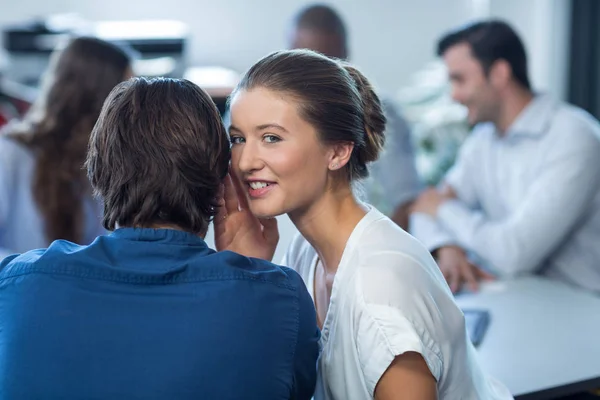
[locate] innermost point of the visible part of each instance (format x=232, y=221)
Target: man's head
x=485, y=61
x=157, y=155
x=319, y=28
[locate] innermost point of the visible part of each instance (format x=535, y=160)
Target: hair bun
x=372, y=114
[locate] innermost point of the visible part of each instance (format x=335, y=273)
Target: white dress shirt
x=389, y=297
x=528, y=201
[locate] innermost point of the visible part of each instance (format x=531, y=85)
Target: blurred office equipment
x=160, y=44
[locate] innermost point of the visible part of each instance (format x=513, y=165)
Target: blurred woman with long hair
x=44, y=192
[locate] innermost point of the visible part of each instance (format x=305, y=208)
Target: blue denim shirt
x=153, y=314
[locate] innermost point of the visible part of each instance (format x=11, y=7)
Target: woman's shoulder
x=16, y=161
x=8, y=141
x=12, y=151
x=395, y=269
x=383, y=240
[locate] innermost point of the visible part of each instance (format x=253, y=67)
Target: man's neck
x=172, y=227
x=513, y=105
x=328, y=224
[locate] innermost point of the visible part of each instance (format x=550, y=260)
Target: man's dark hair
x=158, y=155
x=491, y=41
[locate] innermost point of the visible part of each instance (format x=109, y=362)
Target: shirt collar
x=535, y=117
x=159, y=235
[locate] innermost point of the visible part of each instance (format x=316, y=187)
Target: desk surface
x=543, y=339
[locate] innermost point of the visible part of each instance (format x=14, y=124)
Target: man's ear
x=500, y=73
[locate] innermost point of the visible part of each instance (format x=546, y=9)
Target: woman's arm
x=408, y=377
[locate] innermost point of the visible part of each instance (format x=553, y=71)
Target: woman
x=44, y=193
x=303, y=130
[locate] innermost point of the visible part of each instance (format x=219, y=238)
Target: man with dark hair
x=393, y=183
x=524, y=194
x=490, y=41
x=150, y=311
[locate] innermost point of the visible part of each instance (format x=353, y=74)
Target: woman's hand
x=238, y=230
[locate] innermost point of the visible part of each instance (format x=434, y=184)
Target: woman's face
x=278, y=157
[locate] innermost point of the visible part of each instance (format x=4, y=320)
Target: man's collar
x=535, y=117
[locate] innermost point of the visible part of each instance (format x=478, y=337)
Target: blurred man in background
x=393, y=183
x=524, y=193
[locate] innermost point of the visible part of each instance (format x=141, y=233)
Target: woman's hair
x=334, y=97
x=158, y=155
x=57, y=129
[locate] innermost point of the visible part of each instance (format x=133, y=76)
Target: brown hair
x=158, y=155
x=58, y=126
x=333, y=96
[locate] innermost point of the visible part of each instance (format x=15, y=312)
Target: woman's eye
x=236, y=140
x=271, y=139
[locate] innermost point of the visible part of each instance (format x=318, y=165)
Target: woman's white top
x=389, y=297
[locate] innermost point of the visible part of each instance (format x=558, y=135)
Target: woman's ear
x=340, y=155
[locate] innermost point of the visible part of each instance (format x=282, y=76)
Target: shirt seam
x=140, y=280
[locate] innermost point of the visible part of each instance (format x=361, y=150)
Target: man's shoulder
x=102, y=260
x=575, y=119
x=25, y=263
x=259, y=270
x=573, y=131
x=388, y=103
x=481, y=137
x=395, y=118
